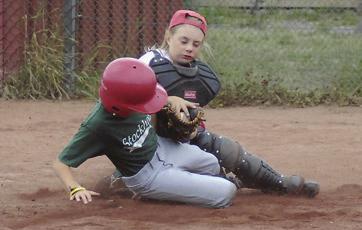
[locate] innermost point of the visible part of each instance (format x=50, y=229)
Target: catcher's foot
x=296, y=185
x=293, y=184
x=310, y=189
x=110, y=185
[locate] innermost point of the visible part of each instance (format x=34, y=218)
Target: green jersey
x=128, y=142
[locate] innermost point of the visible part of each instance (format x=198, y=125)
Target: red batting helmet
x=129, y=85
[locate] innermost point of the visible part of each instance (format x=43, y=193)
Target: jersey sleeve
x=82, y=146
x=147, y=57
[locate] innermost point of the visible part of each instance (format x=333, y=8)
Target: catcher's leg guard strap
x=250, y=169
x=255, y=173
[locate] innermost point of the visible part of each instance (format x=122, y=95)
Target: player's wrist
x=76, y=189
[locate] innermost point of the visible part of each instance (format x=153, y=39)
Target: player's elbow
x=58, y=166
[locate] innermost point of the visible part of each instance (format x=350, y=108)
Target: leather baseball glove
x=180, y=128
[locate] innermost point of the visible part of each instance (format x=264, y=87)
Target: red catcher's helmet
x=129, y=85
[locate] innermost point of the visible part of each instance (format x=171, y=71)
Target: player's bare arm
x=76, y=191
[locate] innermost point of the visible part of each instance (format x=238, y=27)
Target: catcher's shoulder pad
x=178, y=80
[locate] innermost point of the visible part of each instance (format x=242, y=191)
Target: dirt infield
x=322, y=143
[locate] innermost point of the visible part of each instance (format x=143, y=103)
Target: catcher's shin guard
x=255, y=173
x=252, y=171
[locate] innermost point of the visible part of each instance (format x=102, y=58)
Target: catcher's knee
x=227, y=151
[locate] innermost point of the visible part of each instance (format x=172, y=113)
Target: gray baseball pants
x=183, y=173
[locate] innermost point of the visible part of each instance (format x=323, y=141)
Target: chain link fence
x=301, y=44
x=109, y=28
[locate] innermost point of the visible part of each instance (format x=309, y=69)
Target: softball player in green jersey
x=153, y=167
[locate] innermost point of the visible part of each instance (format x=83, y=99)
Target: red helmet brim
x=155, y=104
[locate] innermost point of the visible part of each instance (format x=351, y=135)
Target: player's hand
x=179, y=104
x=84, y=195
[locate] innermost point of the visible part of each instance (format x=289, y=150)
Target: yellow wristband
x=75, y=190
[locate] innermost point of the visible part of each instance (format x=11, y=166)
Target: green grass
x=267, y=60
x=42, y=75
x=278, y=57
x=297, y=60
x=244, y=18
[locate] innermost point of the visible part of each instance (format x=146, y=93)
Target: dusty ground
x=322, y=143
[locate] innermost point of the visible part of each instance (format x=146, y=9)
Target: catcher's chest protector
x=197, y=84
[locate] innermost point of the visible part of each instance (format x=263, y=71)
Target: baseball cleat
x=310, y=189
x=293, y=184
x=296, y=185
